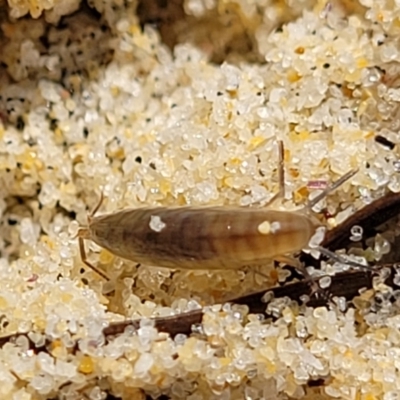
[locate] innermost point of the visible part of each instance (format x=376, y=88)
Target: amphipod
x=209, y=238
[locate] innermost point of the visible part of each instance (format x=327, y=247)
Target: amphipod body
x=204, y=237
x=200, y=238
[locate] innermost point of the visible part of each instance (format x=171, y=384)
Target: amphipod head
x=83, y=233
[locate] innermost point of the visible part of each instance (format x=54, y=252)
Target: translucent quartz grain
x=325, y=282
x=29, y=231
x=356, y=233
x=382, y=246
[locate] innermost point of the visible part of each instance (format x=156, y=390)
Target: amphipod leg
x=97, y=206
x=281, y=172
x=343, y=260
x=293, y=262
x=84, y=257
x=84, y=232
x=331, y=188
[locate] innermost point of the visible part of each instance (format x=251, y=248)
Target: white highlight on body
x=156, y=224
x=266, y=227
x=275, y=226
